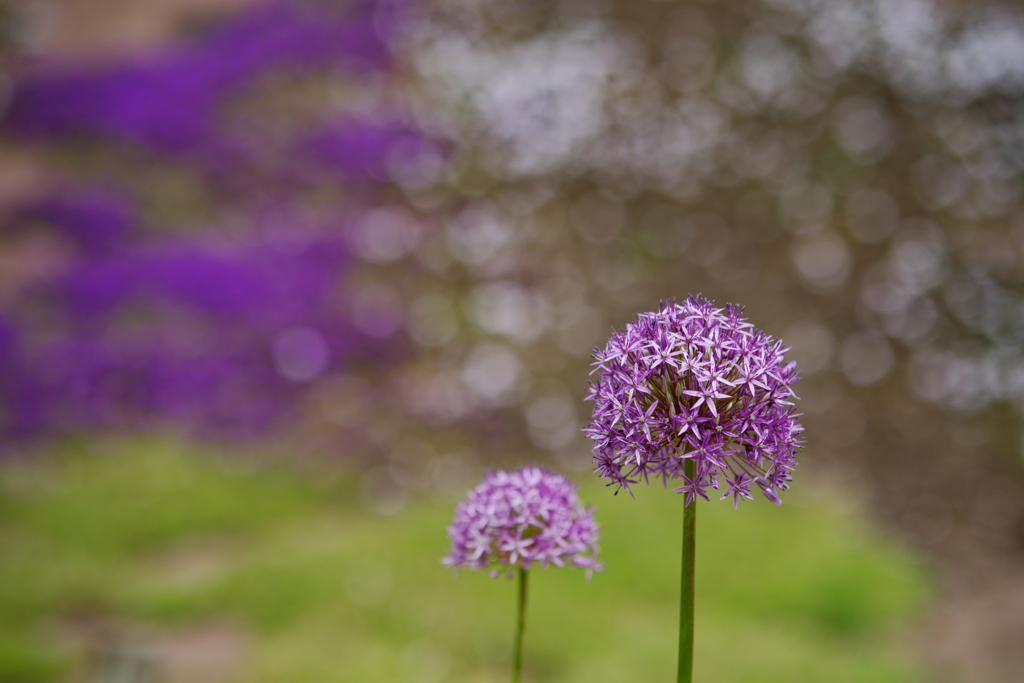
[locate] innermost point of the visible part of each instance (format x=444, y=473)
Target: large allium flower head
x=518, y=519
x=691, y=381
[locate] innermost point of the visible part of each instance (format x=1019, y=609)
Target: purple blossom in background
x=360, y=149
x=172, y=102
x=20, y=402
x=223, y=331
x=224, y=339
x=222, y=336
x=522, y=518
x=98, y=223
x=690, y=381
x=168, y=101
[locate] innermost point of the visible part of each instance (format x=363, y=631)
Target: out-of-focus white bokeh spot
x=551, y=420
x=300, y=354
x=479, y=234
x=418, y=167
x=823, y=261
x=806, y=207
x=511, y=310
x=436, y=395
x=769, y=65
x=862, y=129
x=946, y=378
x=940, y=182
x=914, y=322
x=866, y=358
x=377, y=311
x=491, y=372
x=917, y=254
x=385, y=235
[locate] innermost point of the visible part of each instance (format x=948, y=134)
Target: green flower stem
x=686, y=585
x=517, y=654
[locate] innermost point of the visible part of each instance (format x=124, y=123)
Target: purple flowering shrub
x=693, y=382
x=222, y=328
x=95, y=223
x=224, y=337
x=518, y=519
x=168, y=101
x=181, y=101
x=224, y=340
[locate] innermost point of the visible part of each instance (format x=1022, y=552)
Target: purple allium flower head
x=691, y=381
x=521, y=518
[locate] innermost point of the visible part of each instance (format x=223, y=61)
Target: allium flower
x=518, y=519
x=690, y=381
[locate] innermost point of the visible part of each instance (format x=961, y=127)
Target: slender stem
x=686, y=585
x=517, y=653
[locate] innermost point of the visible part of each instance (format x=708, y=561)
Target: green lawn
x=322, y=590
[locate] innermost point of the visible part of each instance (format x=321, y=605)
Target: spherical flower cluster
x=692, y=382
x=522, y=518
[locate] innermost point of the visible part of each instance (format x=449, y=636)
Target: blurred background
x=280, y=279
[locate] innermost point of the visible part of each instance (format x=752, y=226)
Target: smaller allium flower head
x=691, y=381
x=518, y=519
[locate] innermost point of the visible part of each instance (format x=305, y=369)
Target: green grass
x=326, y=591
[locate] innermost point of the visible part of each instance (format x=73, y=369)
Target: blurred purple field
x=219, y=330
